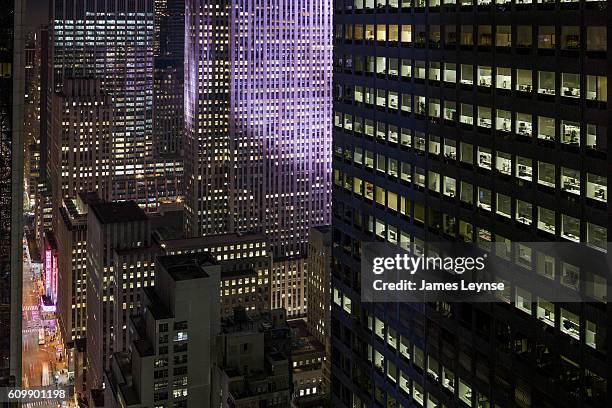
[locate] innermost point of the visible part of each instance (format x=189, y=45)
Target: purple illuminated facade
x=257, y=112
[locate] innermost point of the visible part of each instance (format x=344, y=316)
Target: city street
x=41, y=362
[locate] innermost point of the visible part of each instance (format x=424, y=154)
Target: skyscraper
x=267, y=121
x=168, y=114
x=80, y=168
x=32, y=112
x=119, y=263
x=172, y=350
x=168, y=53
x=254, y=361
x=257, y=111
x=483, y=123
x=319, y=293
x=11, y=189
x=71, y=233
x=112, y=42
x=246, y=267
x=80, y=147
x=206, y=99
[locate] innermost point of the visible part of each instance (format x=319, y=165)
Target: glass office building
x=483, y=122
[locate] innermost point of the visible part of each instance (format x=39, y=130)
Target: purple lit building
x=257, y=113
x=168, y=121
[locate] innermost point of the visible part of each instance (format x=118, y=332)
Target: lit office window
x=546, y=220
x=570, y=180
x=504, y=78
x=546, y=82
x=570, y=228
x=546, y=128
x=523, y=212
x=570, y=85
x=597, y=187
x=570, y=132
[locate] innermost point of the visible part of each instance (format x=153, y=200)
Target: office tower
x=476, y=122
x=172, y=341
x=168, y=52
x=50, y=272
x=168, y=122
x=307, y=357
x=71, y=236
x=319, y=281
x=11, y=189
x=112, y=41
x=80, y=147
x=257, y=141
x=246, y=267
x=318, y=287
x=254, y=363
x=46, y=92
x=280, y=104
x=122, y=247
x=289, y=285
x=263, y=127
x=42, y=194
x=206, y=143
x=43, y=208
x=32, y=113
x=119, y=263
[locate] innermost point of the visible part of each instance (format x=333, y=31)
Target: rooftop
x=213, y=240
x=118, y=212
x=323, y=228
x=51, y=240
x=89, y=197
x=71, y=207
x=186, y=266
x=154, y=248
x=75, y=208
x=238, y=273
x=303, y=341
x=168, y=225
x=243, y=322
x=120, y=380
x=156, y=307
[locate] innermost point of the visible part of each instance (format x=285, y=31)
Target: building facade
x=168, y=122
x=206, y=141
x=172, y=349
x=32, y=113
x=307, y=359
x=319, y=282
x=289, y=289
x=72, y=242
x=246, y=268
x=256, y=119
x=113, y=43
x=111, y=229
x=254, y=362
x=318, y=287
x=80, y=147
x=11, y=189
x=475, y=122
x=168, y=52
